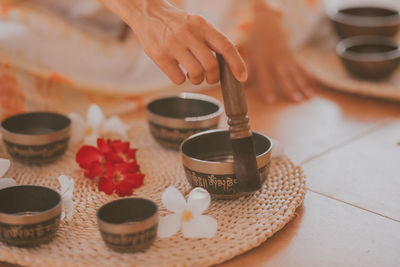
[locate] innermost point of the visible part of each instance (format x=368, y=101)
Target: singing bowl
x=37, y=137
x=365, y=20
x=29, y=215
x=208, y=162
x=369, y=57
x=129, y=224
x=174, y=118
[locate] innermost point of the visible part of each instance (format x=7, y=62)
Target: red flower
x=120, y=152
x=114, y=162
x=122, y=178
x=92, y=160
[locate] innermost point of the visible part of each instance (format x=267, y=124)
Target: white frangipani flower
x=5, y=182
x=187, y=215
x=67, y=192
x=95, y=125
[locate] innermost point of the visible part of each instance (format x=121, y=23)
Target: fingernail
x=243, y=76
x=297, y=96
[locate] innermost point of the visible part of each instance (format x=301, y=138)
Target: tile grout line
x=355, y=206
x=372, y=130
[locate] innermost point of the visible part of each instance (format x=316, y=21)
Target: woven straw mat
x=242, y=224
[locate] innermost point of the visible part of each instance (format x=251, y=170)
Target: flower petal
x=127, y=167
x=86, y=155
x=91, y=139
x=173, y=200
x=135, y=179
x=7, y=182
x=131, y=154
x=4, y=166
x=118, y=146
x=169, y=225
x=103, y=146
x=114, y=125
x=106, y=185
x=95, y=117
x=95, y=170
x=202, y=226
x=78, y=126
x=124, y=188
x=67, y=189
x=67, y=186
x=198, y=201
x=113, y=157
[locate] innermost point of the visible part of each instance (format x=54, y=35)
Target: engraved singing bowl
x=37, y=137
x=174, y=118
x=369, y=57
x=208, y=162
x=29, y=215
x=129, y=224
x=364, y=20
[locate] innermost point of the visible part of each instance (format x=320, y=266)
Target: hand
x=173, y=37
x=272, y=65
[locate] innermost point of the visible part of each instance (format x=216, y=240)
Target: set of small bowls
x=30, y=216
x=367, y=48
x=186, y=122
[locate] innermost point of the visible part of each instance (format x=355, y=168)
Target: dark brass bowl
x=365, y=20
x=129, y=224
x=174, y=118
x=37, y=137
x=29, y=215
x=369, y=57
x=208, y=162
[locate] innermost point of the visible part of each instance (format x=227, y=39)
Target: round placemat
x=242, y=224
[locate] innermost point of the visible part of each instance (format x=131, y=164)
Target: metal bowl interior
x=365, y=16
x=36, y=128
x=369, y=57
x=28, y=204
x=365, y=20
x=128, y=225
x=186, y=110
x=126, y=213
x=211, y=152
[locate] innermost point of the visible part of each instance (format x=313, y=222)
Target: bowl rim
x=187, y=122
x=35, y=139
x=125, y=228
x=364, y=21
x=220, y=168
x=35, y=218
x=343, y=45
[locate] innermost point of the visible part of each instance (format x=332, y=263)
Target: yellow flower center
x=88, y=131
x=187, y=216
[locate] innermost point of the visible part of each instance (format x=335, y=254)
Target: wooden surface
x=349, y=147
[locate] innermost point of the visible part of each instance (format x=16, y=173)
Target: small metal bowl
x=174, y=118
x=208, y=162
x=37, y=137
x=29, y=215
x=129, y=224
x=364, y=20
x=369, y=57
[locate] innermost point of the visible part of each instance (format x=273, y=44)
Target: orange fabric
x=12, y=97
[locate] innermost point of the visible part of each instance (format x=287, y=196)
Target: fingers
x=171, y=68
x=190, y=63
x=287, y=83
x=220, y=44
x=206, y=58
x=300, y=80
x=265, y=82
